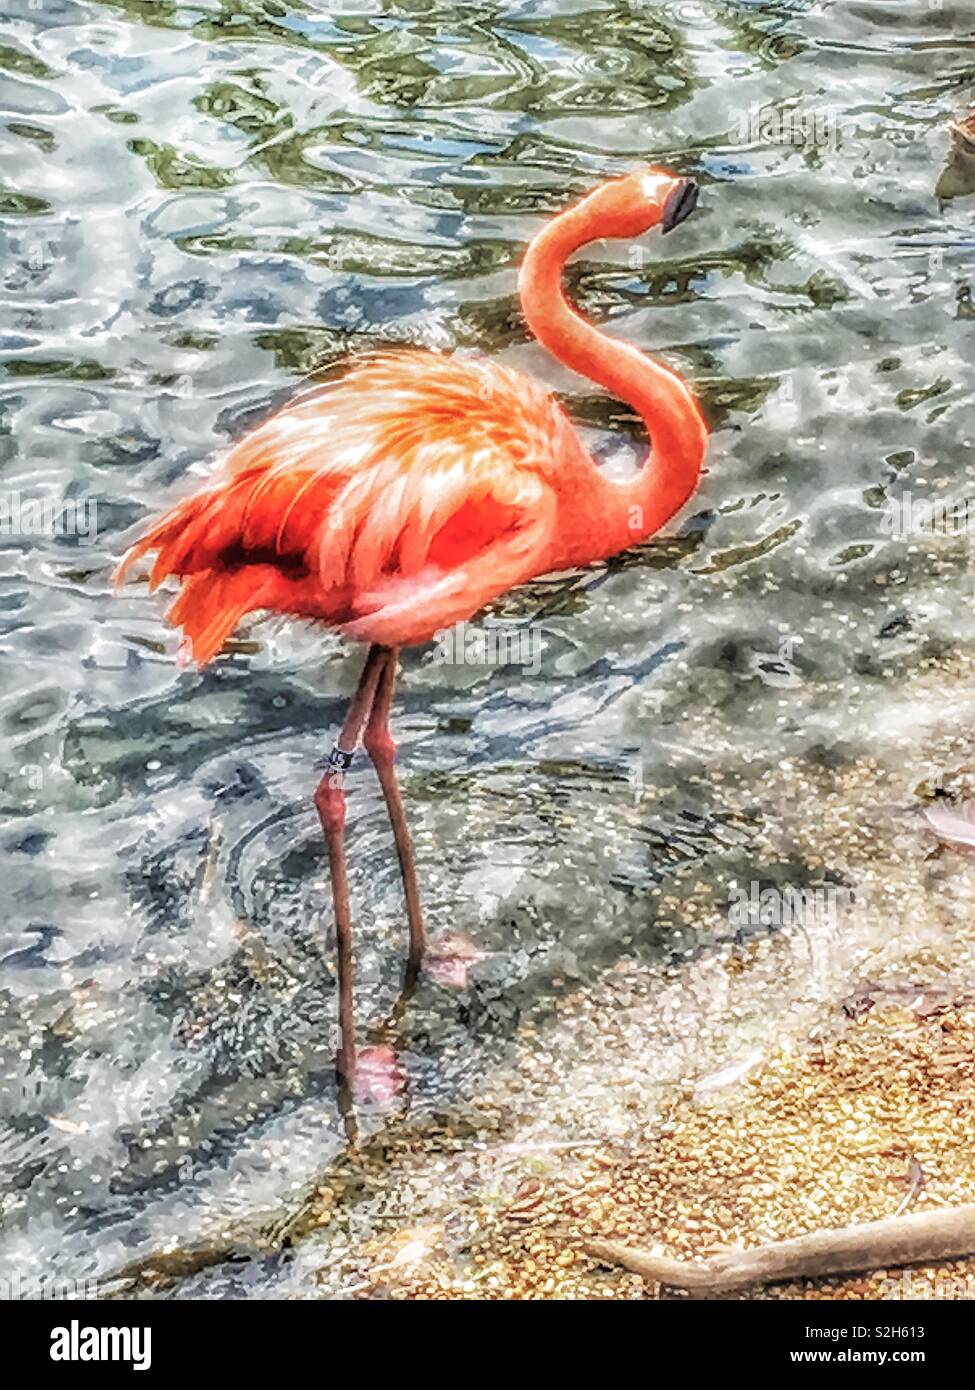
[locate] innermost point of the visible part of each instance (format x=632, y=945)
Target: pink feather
x=955, y=823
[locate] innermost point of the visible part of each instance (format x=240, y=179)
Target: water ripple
x=209, y=202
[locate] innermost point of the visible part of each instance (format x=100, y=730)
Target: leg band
x=339, y=760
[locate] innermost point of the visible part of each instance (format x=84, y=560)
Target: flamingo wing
x=392, y=505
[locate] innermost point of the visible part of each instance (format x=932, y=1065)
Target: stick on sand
x=925, y=1237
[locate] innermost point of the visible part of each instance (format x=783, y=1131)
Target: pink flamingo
x=413, y=493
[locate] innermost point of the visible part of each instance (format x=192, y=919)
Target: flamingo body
x=420, y=487
x=392, y=505
x=409, y=495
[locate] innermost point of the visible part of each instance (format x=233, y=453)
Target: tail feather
x=190, y=540
x=201, y=530
x=213, y=602
x=255, y=512
x=408, y=487
x=167, y=536
x=216, y=544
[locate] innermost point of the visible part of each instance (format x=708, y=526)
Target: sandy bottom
x=753, y=1086
x=811, y=1078
x=872, y=1117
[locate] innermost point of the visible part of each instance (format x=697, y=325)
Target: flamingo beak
x=681, y=202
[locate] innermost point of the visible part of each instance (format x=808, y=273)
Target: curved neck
x=673, y=421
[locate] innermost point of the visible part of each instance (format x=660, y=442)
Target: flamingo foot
x=450, y=961
x=379, y=1076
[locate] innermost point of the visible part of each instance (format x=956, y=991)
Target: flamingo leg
x=330, y=804
x=378, y=743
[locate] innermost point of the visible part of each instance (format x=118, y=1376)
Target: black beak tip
x=680, y=203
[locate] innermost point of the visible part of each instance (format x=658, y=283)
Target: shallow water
x=204, y=204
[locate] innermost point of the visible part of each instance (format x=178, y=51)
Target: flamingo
x=412, y=493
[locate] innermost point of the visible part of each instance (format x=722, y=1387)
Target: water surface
x=204, y=205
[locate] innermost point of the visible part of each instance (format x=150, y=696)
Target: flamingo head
x=632, y=205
